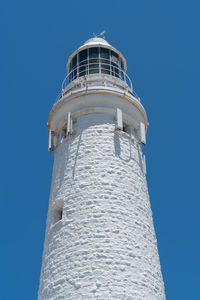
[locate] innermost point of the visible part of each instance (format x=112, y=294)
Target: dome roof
x=96, y=42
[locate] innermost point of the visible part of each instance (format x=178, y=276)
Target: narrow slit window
x=57, y=213
x=126, y=128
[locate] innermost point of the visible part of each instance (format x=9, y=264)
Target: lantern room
x=96, y=56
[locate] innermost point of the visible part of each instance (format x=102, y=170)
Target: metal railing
x=100, y=66
x=80, y=75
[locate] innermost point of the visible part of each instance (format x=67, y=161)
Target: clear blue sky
x=161, y=42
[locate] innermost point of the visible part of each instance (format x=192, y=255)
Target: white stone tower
x=100, y=241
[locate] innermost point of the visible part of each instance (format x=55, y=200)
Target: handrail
x=99, y=59
x=113, y=70
x=65, y=84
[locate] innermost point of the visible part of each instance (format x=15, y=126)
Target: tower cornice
x=98, y=91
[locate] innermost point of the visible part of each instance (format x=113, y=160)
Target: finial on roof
x=102, y=34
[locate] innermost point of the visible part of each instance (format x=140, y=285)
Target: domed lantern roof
x=97, y=42
x=94, y=40
x=96, y=55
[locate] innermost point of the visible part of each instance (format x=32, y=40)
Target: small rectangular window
x=57, y=213
x=126, y=128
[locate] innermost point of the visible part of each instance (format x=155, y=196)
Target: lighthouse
x=100, y=241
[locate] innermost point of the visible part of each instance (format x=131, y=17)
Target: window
x=57, y=213
x=122, y=69
x=93, y=60
x=96, y=60
x=114, y=64
x=74, y=67
x=83, y=62
x=126, y=128
x=105, y=60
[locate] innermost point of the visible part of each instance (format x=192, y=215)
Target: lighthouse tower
x=100, y=242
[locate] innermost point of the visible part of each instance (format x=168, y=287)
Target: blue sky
x=161, y=42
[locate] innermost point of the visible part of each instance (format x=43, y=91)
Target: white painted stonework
x=103, y=246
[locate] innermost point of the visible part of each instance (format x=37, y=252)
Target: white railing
x=99, y=67
x=114, y=76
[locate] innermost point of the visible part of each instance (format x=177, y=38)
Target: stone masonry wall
x=105, y=246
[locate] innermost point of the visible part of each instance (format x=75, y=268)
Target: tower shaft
x=100, y=241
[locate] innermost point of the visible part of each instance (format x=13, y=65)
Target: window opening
x=83, y=55
x=96, y=60
x=74, y=67
x=57, y=213
x=105, y=61
x=126, y=128
x=93, y=60
x=114, y=64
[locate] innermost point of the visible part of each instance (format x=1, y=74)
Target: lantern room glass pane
x=105, y=60
x=115, y=64
x=122, y=69
x=70, y=74
x=122, y=65
x=74, y=62
x=83, y=62
x=94, y=60
x=74, y=68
